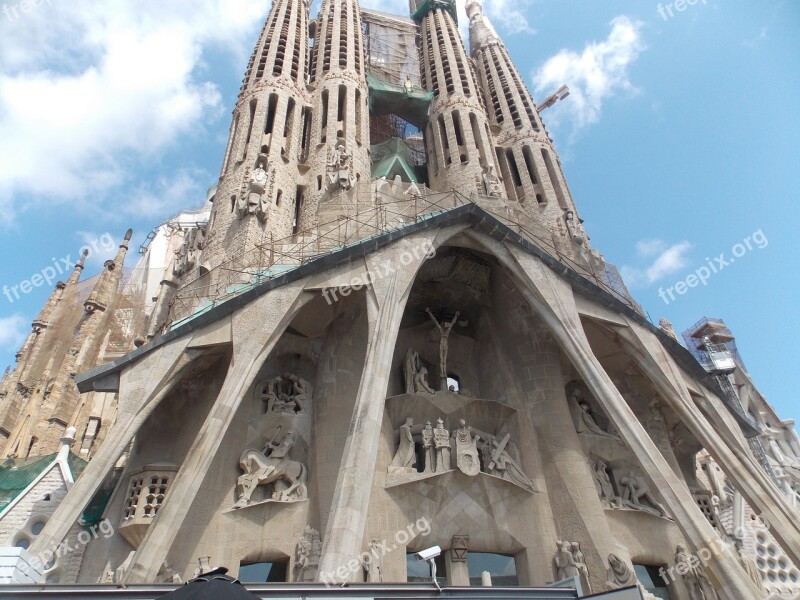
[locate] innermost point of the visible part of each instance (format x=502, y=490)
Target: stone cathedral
x=387, y=331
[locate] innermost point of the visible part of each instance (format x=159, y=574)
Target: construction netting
x=16, y=474
x=428, y=5
x=407, y=101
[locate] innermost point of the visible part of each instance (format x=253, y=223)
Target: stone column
x=457, y=571
x=141, y=390
x=553, y=300
x=256, y=330
x=386, y=301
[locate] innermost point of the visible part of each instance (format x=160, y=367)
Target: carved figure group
x=491, y=183
x=286, y=394
x=570, y=561
x=272, y=465
x=474, y=452
x=186, y=256
x=415, y=374
x=254, y=199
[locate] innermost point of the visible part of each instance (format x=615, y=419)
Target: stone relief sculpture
x=403, y=460
x=694, y=576
x=187, y=255
x=466, y=445
x=415, y=374
x=444, y=334
x=307, y=554
x=500, y=463
x=273, y=466
x=429, y=448
x=636, y=494
x=602, y=481
x=374, y=567
x=441, y=440
x=586, y=421
x=340, y=167
x=619, y=572
x=286, y=394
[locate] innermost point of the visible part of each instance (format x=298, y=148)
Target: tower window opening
x=551, y=171
x=445, y=141
x=479, y=141
x=344, y=10
x=253, y=104
x=512, y=165
x=233, y=203
x=231, y=142
x=342, y=103
x=324, y=116
x=272, y=107
x=319, y=182
x=457, y=128
x=298, y=205
x=359, y=114
x=288, y=126
x=528, y=156
x=279, y=198
x=306, y=130
x=453, y=383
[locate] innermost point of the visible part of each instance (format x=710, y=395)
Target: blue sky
x=680, y=140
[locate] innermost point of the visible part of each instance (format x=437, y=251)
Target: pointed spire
x=107, y=286
x=76, y=272
x=481, y=31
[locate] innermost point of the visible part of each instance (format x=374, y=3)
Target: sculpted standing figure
x=428, y=447
x=404, y=457
x=441, y=439
x=467, y=450
x=602, y=481
x=444, y=333
x=564, y=562
x=695, y=578
x=587, y=423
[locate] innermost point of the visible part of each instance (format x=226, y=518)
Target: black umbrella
x=214, y=585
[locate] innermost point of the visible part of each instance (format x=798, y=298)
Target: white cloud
x=660, y=261
x=593, y=76
x=88, y=88
x=12, y=331
x=168, y=195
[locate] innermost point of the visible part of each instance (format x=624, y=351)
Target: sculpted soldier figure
x=441, y=439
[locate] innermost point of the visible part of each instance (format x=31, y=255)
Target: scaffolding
x=370, y=210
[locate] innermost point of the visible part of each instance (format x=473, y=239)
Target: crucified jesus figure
x=444, y=333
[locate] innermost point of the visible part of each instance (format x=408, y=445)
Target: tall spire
x=48, y=310
x=107, y=287
x=459, y=142
x=528, y=161
x=259, y=183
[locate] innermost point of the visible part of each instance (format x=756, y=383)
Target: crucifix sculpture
x=444, y=332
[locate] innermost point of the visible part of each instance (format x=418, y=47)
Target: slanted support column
x=553, y=300
x=155, y=377
x=740, y=468
x=256, y=330
x=386, y=302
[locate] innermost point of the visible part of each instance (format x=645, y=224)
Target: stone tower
x=459, y=142
x=259, y=184
x=338, y=143
x=530, y=167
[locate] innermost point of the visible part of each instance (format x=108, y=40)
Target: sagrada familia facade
x=387, y=331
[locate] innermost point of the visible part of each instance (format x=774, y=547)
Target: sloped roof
x=18, y=474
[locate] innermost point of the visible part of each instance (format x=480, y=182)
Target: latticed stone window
x=132, y=501
x=147, y=489
x=155, y=496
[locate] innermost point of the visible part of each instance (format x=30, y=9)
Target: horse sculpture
x=289, y=477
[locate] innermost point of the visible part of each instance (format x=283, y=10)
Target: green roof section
x=429, y=5
x=392, y=158
x=16, y=474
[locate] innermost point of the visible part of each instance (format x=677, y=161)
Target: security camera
x=429, y=553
